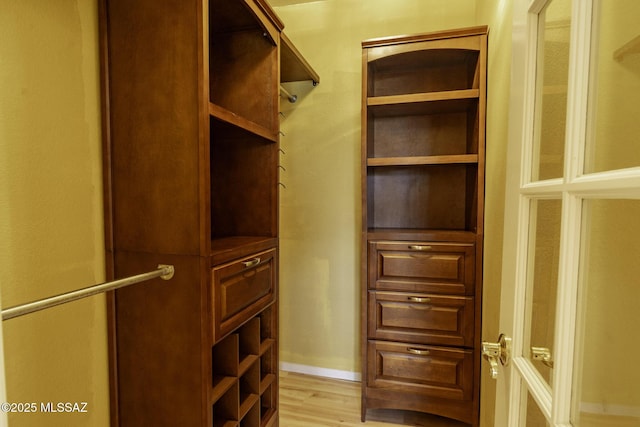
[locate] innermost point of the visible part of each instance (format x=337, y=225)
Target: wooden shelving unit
x=191, y=144
x=423, y=143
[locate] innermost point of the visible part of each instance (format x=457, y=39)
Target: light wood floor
x=307, y=401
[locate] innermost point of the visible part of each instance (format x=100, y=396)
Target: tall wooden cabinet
x=423, y=144
x=191, y=144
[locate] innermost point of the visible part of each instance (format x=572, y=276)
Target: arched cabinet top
x=448, y=35
x=446, y=64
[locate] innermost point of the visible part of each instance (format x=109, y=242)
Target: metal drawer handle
x=252, y=262
x=420, y=247
x=418, y=351
x=420, y=300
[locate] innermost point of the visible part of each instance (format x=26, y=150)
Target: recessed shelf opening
x=243, y=191
x=421, y=71
x=244, y=52
x=422, y=197
x=436, y=134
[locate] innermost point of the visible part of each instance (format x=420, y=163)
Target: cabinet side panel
x=154, y=124
x=159, y=344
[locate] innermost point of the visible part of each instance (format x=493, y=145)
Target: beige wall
x=50, y=207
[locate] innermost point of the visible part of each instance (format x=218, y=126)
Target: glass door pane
x=607, y=372
x=614, y=104
x=552, y=71
x=535, y=417
x=542, y=283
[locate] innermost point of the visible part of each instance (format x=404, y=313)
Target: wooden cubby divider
x=267, y=404
x=245, y=374
x=226, y=408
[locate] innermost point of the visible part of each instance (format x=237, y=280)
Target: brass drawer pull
x=252, y=262
x=420, y=247
x=418, y=351
x=421, y=300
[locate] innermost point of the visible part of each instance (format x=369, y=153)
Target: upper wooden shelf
x=423, y=97
x=240, y=122
x=423, y=103
x=423, y=160
x=293, y=66
x=629, y=48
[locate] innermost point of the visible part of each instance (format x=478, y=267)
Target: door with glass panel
x=570, y=308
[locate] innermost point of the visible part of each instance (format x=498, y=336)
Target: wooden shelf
x=423, y=103
x=269, y=417
x=421, y=234
x=221, y=386
x=266, y=382
x=241, y=123
x=423, y=160
x=266, y=345
x=227, y=248
x=247, y=404
x=423, y=97
x=246, y=363
x=293, y=66
x=630, y=48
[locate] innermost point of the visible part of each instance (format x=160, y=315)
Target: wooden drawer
x=241, y=289
x=421, y=318
x=437, y=372
x=434, y=267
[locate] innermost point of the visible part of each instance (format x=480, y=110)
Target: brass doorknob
x=497, y=351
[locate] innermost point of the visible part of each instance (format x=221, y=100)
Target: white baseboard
x=320, y=372
x=609, y=409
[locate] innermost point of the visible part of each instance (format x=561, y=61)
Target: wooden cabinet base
x=392, y=399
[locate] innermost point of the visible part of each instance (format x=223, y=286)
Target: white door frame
x=512, y=198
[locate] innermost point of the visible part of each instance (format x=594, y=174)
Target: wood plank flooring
x=307, y=401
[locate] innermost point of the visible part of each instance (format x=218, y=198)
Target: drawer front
x=421, y=318
x=241, y=289
x=437, y=372
x=422, y=267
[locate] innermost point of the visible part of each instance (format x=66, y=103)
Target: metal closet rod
x=164, y=271
x=292, y=98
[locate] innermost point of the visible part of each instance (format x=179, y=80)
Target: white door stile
x=530, y=110
x=520, y=129
x=566, y=308
x=578, y=89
